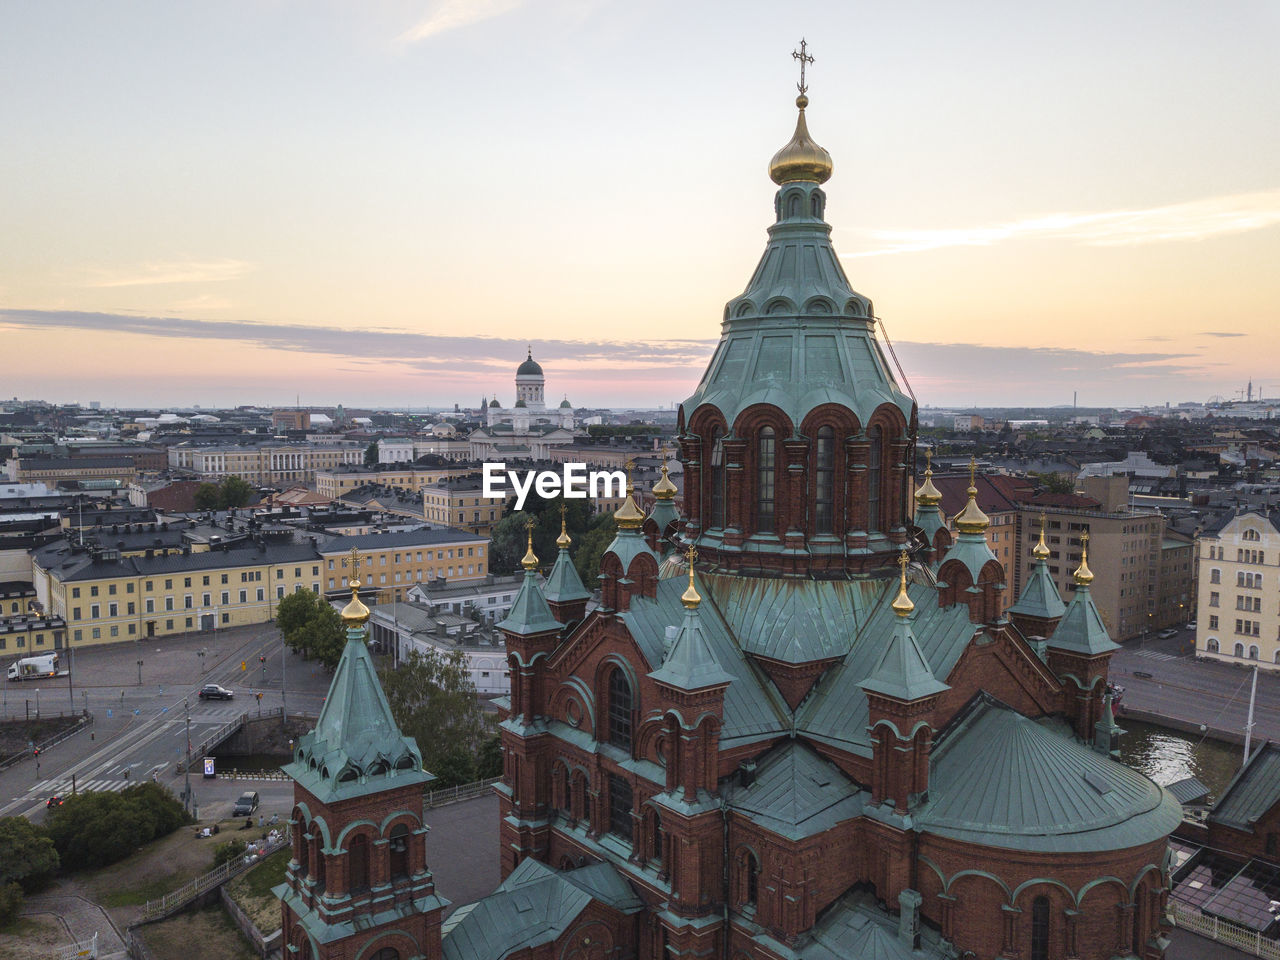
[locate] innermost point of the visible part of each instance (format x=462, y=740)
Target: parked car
x=245, y=806
x=211, y=691
x=54, y=801
x=1166, y=634
x=1191, y=625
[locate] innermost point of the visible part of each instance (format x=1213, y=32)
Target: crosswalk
x=1155, y=655
x=62, y=788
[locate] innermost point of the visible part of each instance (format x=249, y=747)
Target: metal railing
x=46, y=744
x=1224, y=931
x=465, y=791
x=85, y=948
x=155, y=909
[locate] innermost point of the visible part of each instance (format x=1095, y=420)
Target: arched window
x=318, y=858
x=717, y=478
x=386, y=953
x=874, y=456
x=1239, y=650
x=399, y=844
x=1253, y=651
x=766, y=456
x=655, y=835
x=1212, y=647
x=619, y=710
x=620, y=807
x=1040, y=928
x=358, y=863
x=793, y=205
x=751, y=866
x=815, y=206
x=824, y=480
x=564, y=803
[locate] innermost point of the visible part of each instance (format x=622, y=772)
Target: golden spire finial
x=530, y=559
x=563, y=540
x=971, y=519
x=1041, y=550
x=628, y=516
x=691, y=598
x=664, y=489
x=902, y=604
x=801, y=158
x=928, y=495
x=355, y=612
x=1083, y=575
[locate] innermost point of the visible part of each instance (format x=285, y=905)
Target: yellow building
x=105, y=596
x=336, y=482
x=1237, y=619
x=25, y=636
x=272, y=463
x=460, y=502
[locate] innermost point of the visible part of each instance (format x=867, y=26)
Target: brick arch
x=741, y=509
x=698, y=474
x=894, y=479
x=407, y=817
x=977, y=875
x=1040, y=885
x=589, y=940
x=304, y=942
x=1101, y=885
x=643, y=572
x=397, y=940
x=844, y=424
x=573, y=689
x=603, y=671
x=361, y=826
x=647, y=737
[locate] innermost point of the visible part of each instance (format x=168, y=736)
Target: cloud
x=1194, y=220
x=449, y=15
x=159, y=272
x=1221, y=333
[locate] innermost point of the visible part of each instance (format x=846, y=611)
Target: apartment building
x=105, y=595
x=1238, y=618
x=341, y=480
x=460, y=502
x=267, y=463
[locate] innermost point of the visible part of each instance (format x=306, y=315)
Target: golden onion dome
x=928, y=495
x=530, y=559
x=564, y=539
x=664, y=489
x=691, y=598
x=902, y=604
x=1041, y=550
x=971, y=519
x=628, y=516
x=355, y=612
x=801, y=158
x=1083, y=575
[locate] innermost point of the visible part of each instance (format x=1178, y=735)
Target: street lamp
x=139, y=673
x=186, y=768
x=37, y=704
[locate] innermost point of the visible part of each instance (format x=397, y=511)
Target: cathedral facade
x=803, y=720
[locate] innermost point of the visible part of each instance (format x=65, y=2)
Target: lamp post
x=186, y=767
x=37, y=703
x=139, y=673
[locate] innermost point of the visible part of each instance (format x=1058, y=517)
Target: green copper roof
x=532, y=908
x=973, y=551
x=564, y=585
x=1253, y=791
x=1040, y=597
x=930, y=520
x=1000, y=779
x=627, y=545
x=856, y=928
x=796, y=793
x=691, y=665
x=663, y=513
x=356, y=747
x=529, y=611
x=836, y=710
x=903, y=671
x=799, y=336
x=1081, y=629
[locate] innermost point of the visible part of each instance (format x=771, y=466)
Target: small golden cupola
x=1041, y=550
x=801, y=158
x=355, y=613
x=928, y=495
x=691, y=598
x=971, y=519
x=902, y=604
x=563, y=541
x=1083, y=575
x=664, y=489
x=530, y=559
x=628, y=516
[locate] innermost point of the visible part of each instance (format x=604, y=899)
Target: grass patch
x=157, y=868
x=252, y=891
x=207, y=934
x=25, y=927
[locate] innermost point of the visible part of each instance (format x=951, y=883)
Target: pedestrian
x=260, y=820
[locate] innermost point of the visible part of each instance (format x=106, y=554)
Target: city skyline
x=382, y=206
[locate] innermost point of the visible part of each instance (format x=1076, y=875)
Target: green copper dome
x=530, y=367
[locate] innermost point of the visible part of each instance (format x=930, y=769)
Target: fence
x=466, y=791
x=155, y=909
x=1224, y=931
x=85, y=948
x=213, y=739
x=51, y=742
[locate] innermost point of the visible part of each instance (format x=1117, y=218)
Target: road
x=1194, y=691
x=141, y=712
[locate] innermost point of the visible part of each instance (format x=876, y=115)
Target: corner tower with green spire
x=796, y=440
x=358, y=881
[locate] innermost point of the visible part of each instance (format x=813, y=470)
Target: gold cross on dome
x=903, y=560
x=804, y=58
x=353, y=561
x=973, y=472
x=691, y=554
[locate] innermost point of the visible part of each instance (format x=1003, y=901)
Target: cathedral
x=804, y=721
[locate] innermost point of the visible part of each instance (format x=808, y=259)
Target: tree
x=509, y=538
x=207, y=496
x=27, y=856
x=10, y=901
x=311, y=626
x=592, y=547
x=489, y=759
x=1056, y=482
x=94, y=829
x=434, y=701
x=371, y=455
x=234, y=492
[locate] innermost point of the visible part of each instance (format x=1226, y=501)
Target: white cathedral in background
x=528, y=430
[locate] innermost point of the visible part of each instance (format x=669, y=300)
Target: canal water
x=1167, y=755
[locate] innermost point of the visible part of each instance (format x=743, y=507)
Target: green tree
x=10, y=901
x=311, y=626
x=233, y=492
x=434, y=701
x=94, y=829
x=599, y=535
x=27, y=856
x=207, y=497
x=1055, y=482
x=509, y=538
x=489, y=759
x=371, y=457
x=231, y=850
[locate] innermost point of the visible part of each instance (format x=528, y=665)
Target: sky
x=382, y=203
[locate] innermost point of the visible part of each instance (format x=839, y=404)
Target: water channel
x=1167, y=755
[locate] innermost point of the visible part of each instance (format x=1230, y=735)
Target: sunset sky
x=381, y=203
